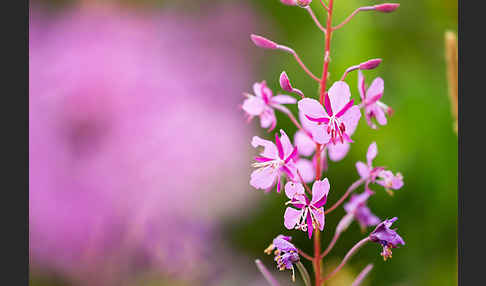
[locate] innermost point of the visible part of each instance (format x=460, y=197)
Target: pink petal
x=339, y=95
x=286, y=144
x=269, y=148
x=304, y=143
x=306, y=169
x=279, y=146
x=338, y=151
x=376, y=88
x=283, y=99
x=361, y=86
x=363, y=169
x=380, y=116
x=319, y=133
x=327, y=105
x=263, y=178
x=306, y=123
x=320, y=189
x=371, y=154
x=351, y=119
x=345, y=108
x=268, y=119
x=253, y=105
x=319, y=216
x=309, y=225
x=257, y=89
x=292, y=189
x=311, y=107
x=291, y=217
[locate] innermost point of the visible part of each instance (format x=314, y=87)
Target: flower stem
x=303, y=273
x=350, y=253
x=331, y=245
x=318, y=24
x=305, y=255
x=317, y=258
x=362, y=275
x=351, y=188
x=327, y=52
x=268, y=276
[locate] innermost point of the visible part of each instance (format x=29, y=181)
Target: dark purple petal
x=345, y=108
x=320, y=119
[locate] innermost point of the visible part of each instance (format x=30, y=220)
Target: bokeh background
x=140, y=155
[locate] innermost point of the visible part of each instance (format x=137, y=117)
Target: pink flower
x=337, y=121
x=390, y=181
x=262, y=104
x=370, y=173
x=275, y=160
x=306, y=145
x=370, y=100
x=309, y=214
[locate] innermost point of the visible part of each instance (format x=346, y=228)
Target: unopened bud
x=263, y=42
x=387, y=7
x=289, y=2
x=344, y=223
x=369, y=65
x=285, y=82
x=303, y=3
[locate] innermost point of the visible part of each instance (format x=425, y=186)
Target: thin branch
x=305, y=255
x=290, y=115
x=351, y=188
x=362, y=275
x=324, y=5
x=268, y=276
x=367, y=8
x=318, y=24
x=350, y=253
x=297, y=58
x=331, y=245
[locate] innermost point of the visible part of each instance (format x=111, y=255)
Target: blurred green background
x=418, y=141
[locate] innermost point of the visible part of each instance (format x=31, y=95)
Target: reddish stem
x=327, y=52
x=351, y=188
x=350, y=253
x=305, y=255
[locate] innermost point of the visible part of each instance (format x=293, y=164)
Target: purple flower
x=286, y=254
x=374, y=108
x=275, y=160
x=309, y=214
x=358, y=209
x=387, y=237
x=262, y=104
x=370, y=173
x=337, y=120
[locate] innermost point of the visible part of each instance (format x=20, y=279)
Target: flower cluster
x=325, y=127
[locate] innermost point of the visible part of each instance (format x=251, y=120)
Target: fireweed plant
x=325, y=128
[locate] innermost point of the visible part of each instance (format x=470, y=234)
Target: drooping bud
x=387, y=7
x=285, y=82
x=370, y=64
x=262, y=42
x=289, y=2
x=303, y=3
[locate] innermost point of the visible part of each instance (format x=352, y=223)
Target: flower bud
x=285, y=82
x=263, y=42
x=387, y=7
x=289, y=2
x=303, y=3
x=370, y=64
